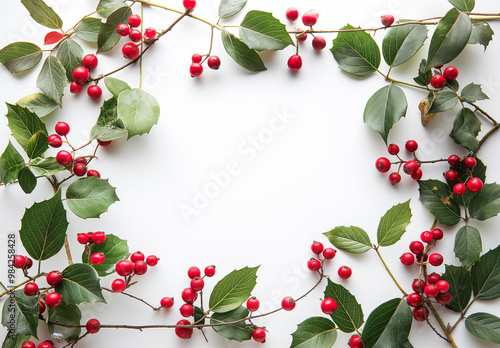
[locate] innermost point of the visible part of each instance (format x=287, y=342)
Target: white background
x=313, y=175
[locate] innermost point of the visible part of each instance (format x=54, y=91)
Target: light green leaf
x=38, y=103
x=402, y=42
x=27, y=180
x=484, y=326
x=43, y=14
x=80, y=284
x=70, y=54
x=468, y=245
x=438, y=199
x=241, y=53
x=349, y=315
x=314, y=332
x=52, y=79
x=20, y=56
x=108, y=126
x=107, y=7
x=115, y=86
x=37, y=145
x=393, y=224
x=444, y=100
x=238, y=332
x=472, y=93
x=463, y=5
x=11, y=163
x=22, y=311
x=108, y=37
x=351, y=239
x=45, y=166
x=481, y=34
x=261, y=31
x=460, y=287
x=90, y=197
x=486, y=203
x=229, y=8
x=68, y=314
x=88, y=29
x=466, y=128
x=485, y=276
x=138, y=110
x=114, y=248
x=24, y=124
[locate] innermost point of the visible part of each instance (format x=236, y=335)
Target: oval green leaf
x=472, y=93
x=402, y=42
x=88, y=29
x=70, y=54
x=466, y=128
x=351, y=239
x=238, y=332
x=484, y=326
x=80, y=284
x=43, y=14
x=20, y=56
x=485, y=275
x=45, y=166
x=241, y=53
x=229, y=8
x=438, y=199
x=22, y=310
x=37, y=145
x=107, y=7
x=138, y=110
x=468, y=245
x=485, y=204
x=11, y=163
x=68, y=314
x=349, y=315
x=460, y=287
x=115, y=86
x=24, y=124
x=38, y=103
x=27, y=180
x=52, y=79
x=463, y=5
x=443, y=101
x=393, y=224
x=261, y=31
x=114, y=248
x=108, y=37
x=315, y=332
x=90, y=197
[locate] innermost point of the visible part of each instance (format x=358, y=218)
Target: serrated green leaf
x=481, y=34
x=261, y=31
x=232, y=290
x=114, y=248
x=27, y=180
x=15, y=341
x=90, y=197
x=463, y=5
x=108, y=37
x=466, y=128
x=108, y=126
x=43, y=14
x=37, y=145
x=68, y=314
x=484, y=326
x=20, y=56
x=385, y=108
x=351, y=239
x=486, y=203
x=241, y=53
x=24, y=124
x=38, y=103
x=238, y=332
x=229, y=8
x=88, y=29
x=70, y=54
x=107, y=7
x=43, y=228
x=424, y=76
x=485, y=275
x=21, y=312
x=45, y=166
x=80, y=284
x=138, y=110
x=472, y=93
x=443, y=100
x=393, y=224
x=52, y=79
x=11, y=163
x=349, y=315
x=438, y=199
x=468, y=246
x=315, y=332
x=460, y=287
x=115, y=86
x=402, y=42
x=449, y=39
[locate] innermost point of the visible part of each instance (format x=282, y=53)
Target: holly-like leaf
x=114, y=248
x=261, y=31
x=11, y=163
x=37, y=145
x=385, y=108
x=481, y=34
x=402, y=42
x=70, y=54
x=90, y=197
x=424, y=76
x=485, y=275
x=43, y=14
x=351, y=239
x=443, y=100
x=108, y=37
x=107, y=7
x=466, y=128
x=388, y=325
x=138, y=110
x=68, y=314
x=463, y=5
x=43, y=228
x=349, y=315
x=241, y=53
x=27, y=180
x=484, y=326
x=15, y=341
x=52, y=79
x=472, y=93
x=449, y=39
x=486, y=203
x=80, y=284
x=356, y=52
x=88, y=29
x=393, y=224
x=460, y=287
x=438, y=199
x=229, y=8
x=108, y=126
x=468, y=246
x=20, y=56
x=21, y=312
x=38, y=103
x=314, y=332
x=45, y=166
x=232, y=290
x=238, y=332
x=24, y=124
x=52, y=37
x=115, y=86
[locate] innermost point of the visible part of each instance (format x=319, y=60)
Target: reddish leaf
x=52, y=37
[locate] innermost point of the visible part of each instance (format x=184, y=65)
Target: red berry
x=94, y=92
x=288, y=303
x=259, y=335
x=54, y=278
x=54, y=140
x=103, y=143
x=41, y=307
x=93, y=172
x=295, y=62
x=81, y=160
x=83, y=238
x=213, y=62
x=426, y=236
x=28, y=344
x=189, y=5
x=417, y=175
x=118, y=285
x=313, y=265
x=135, y=35
x=310, y=18
x=196, y=58
x=418, y=285
x=130, y=51
x=459, y=189
x=393, y=149
x=189, y=295
x=122, y=29
x=90, y=61
x=196, y=69
x=210, y=271
x=134, y=20
x=30, y=289
x=93, y=326
x=431, y=290
x=383, y=165
x=420, y=313
x=253, y=304
x=450, y=73
x=193, y=272
x=184, y=332
x=451, y=175
x=344, y=272
x=410, y=167
x=124, y=268
x=444, y=298
x=411, y=146
x=98, y=237
x=437, y=233
x=29, y=263
x=64, y=158
x=387, y=20
x=328, y=306
x=81, y=75
x=292, y=14
x=152, y=260
x=301, y=37
x=442, y=286
x=97, y=258
x=19, y=261
x=394, y=178
x=317, y=247
x=167, y=302
x=46, y=344
x=137, y=256
x=197, y=284
x=187, y=310
x=474, y=184
x=454, y=160
x=149, y=34
x=414, y=300
x=417, y=247
x=433, y=278
x=329, y=253
x=436, y=259
x=438, y=81
x=470, y=162
x=355, y=341
x=140, y=267
x=53, y=299
x=75, y=87
x=407, y=259
x=319, y=43
x=79, y=169
x=62, y=128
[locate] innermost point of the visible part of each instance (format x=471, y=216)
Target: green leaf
x=472, y=93
x=468, y=245
x=70, y=54
x=349, y=315
x=90, y=197
x=45, y=166
x=52, y=79
x=424, y=76
x=444, y=100
x=238, y=332
x=68, y=314
x=484, y=326
x=481, y=34
x=43, y=228
x=385, y=108
x=108, y=37
x=107, y=7
x=15, y=341
x=232, y=290
x=11, y=163
x=388, y=325
x=402, y=42
x=314, y=332
x=21, y=312
x=463, y=5
x=460, y=287
x=27, y=180
x=485, y=276
x=88, y=29
x=437, y=198
x=466, y=128
x=393, y=224
x=356, y=52
x=241, y=53
x=486, y=203
x=37, y=145
x=24, y=124
x=114, y=248
x=449, y=39
x=351, y=239
x=80, y=284
x=261, y=31
x=38, y=103
x=20, y=56
x=229, y=8
x=115, y=86
x=138, y=110
x=108, y=126
x=43, y=14
x=198, y=315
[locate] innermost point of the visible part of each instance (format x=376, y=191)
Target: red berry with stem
x=411, y=146
x=62, y=128
x=149, y=34
x=83, y=238
x=383, y=164
x=433, y=278
x=93, y=326
x=184, y=332
x=135, y=35
x=417, y=247
x=213, y=62
x=140, y=267
x=470, y=162
x=394, y=178
x=41, y=307
x=387, y=20
x=210, y=271
x=301, y=37
x=134, y=20
x=75, y=87
x=124, y=268
x=407, y=259
x=459, y=189
x=137, y=256
x=355, y=342
x=196, y=58
x=253, y=304
x=417, y=175
x=53, y=299
x=118, y=285
x=310, y=18
x=81, y=75
x=90, y=235
x=414, y=300
x=193, y=272
x=450, y=73
x=431, y=290
x=79, y=169
x=345, y=272
x=444, y=298
x=329, y=253
x=186, y=310
x=418, y=285
x=54, y=278
x=410, y=167
x=122, y=29
x=94, y=92
x=454, y=160
x=317, y=247
x=328, y=306
x=393, y=149
x=93, y=172
x=90, y=61
x=189, y=295
x=28, y=344
x=19, y=261
x=99, y=237
x=319, y=43
x=103, y=143
x=54, y=140
x=152, y=260
x=288, y=303
x=130, y=51
x=197, y=284
x=474, y=184
x=437, y=233
x=30, y=289
x=438, y=81
x=259, y=335
x=426, y=237
x=436, y=259
x=313, y=265
x=420, y=313
x=97, y=258
x=81, y=160
x=196, y=69
x=451, y=175
x=442, y=285
x=292, y=14
x=295, y=62
x=64, y=158
x=189, y=5
x=167, y=302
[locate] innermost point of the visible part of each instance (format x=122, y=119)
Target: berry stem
x=68, y=251
x=30, y=279
x=135, y=298
x=389, y=271
x=448, y=337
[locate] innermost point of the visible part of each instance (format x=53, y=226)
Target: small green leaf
x=45, y=166
x=52, y=79
x=21, y=312
x=108, y=126
x=115, y=86
x=486, y=203
x=37, y=145
x=238, y=332
x=481, y=34
x=68, y=314
x=138, y=110
x=349, y=315
x=38, y=103
x=114, y=248
x=27, y=180
x=80, y=284
x=484, y=326
x=385, y=108
x=15, y=341
x=107, y=7
x=466, y=128
x=232, y=290
x=241, y=53
x=43, y=14
x=88, y=29
x=70, y=54
x=20, y=56
x=402, y=42
x=472, y=93
x=108, y=37
x=11, y=163
x=393, y=224
x=468, y=245
x=424, y=76
x=444, y=100
x=351, y=239
x=485, y=276
x=438, y=199
x=261, y=31
x=460, y=287
x=314, y=332
x=90, y=197
x=24, y=124
x=229, y=8
x=463, y=5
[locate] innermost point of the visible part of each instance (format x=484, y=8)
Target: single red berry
x=149, y=34
x=387, y=20
x=30, y=289
x=79, y=169
x=470, y=162
x=394, y=178
x=189, y=5
x=97, y=258
x=355, y=342
x=410, y=167
x=292, y=14
x=167, y=302
x=29, y=263
x=407, y=259
x=54, y=278
x=459, y=189
x=193, y=272
x=28, y=344
x=94, y=92
x=19, y=261
x=93, y=326
x=451, y=175
x=46, y=344
x=313, y=265
x=130, y=51
x=295, y=62
x=53, y=299
x=328, y=306
x=122, y=29
x=189, y=295
x=431, y=290
x=444, y=298
x=99, y=237
x=90, y=61
x=454, y=160
x=319, y=43
x=152, y=260
x=259, y=335
x=438, y=67
x=329, y=253
x=81, y=75
x=137, y=256
x=317, y=247
x=383, y=164
x=442, y=286
x=184, y=332
x=75, y=87
x=197, y=284
x=288, y=303
x=301, y=37
x=62, y=128
x=210, y=271
x=134, y=20
x=54, y=140
x=124, y=268
x=417, y=247
x=417, y=175
x=310, y=18
x=41, y=307
x=474, y=184
x=437, y=233
x=436, y=259
x=196, y=58
x=393, y=149
x=426, y=237
x=450, y=73
x=411, y=146
x=438, y=81
x=253, y=304
x=195, y=69
x=64, y=158
x=103, y=143
x=93, y=172
x=213, y=62
x=81, y=160
x=414, y=300
x=345, y=272
x=433, y=278
x=83, y=238
x=420, y=313
x=135, y=35
x=140, y=267
x=118, y=285
x=186, y=310
x=418, y=285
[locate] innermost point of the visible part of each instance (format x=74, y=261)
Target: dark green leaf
x=385, y=108
x=11, y=162
x=241, y=53
x=468, y=245
x=481, y=34
x=351, y=239
x=356, y=52
x=229, y=8
x=472, y=93
x=349, y=315
x=20, y=56
x=261, y=31
x=485, y=276
x=138, y=110
x=88, y=29
x=68, y=314
x=107, y=7
x=239, y=332
x=45, y=166
x=314, y=332
x=437, y=198
x=21, y=312
x=108, y=126
x=108, y=37
x=198, y=315
x=424, y=76
x=115, y=86
x=52, y=79
x=466, y=128
x=70, y=54
x=460, y=287
x=43, y=14
x=443, y=100
x=486, y=203
x=15, y=341
x=43, y=228
x=90, y=197
x=80, y=284
x=393, y=224
x=114, y=248
x=27, y=180
x=449, y=39
x=484, y=326
x=388, y=325
x=453, y=85
x=403, y=42
x=37, y=145
x=24, y=124
x=463, y=5
x=38, y=103
x=232, y=290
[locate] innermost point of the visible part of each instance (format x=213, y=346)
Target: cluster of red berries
x=22, y=262
x=90, y=238
x=130, y=50
x=137, y=265
x=449, y=74
x=81, y=76
x=411, y=167
x=387, y=20
x=196, y=67
x=473, y=184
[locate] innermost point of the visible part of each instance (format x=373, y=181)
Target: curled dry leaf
x=424, y=107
